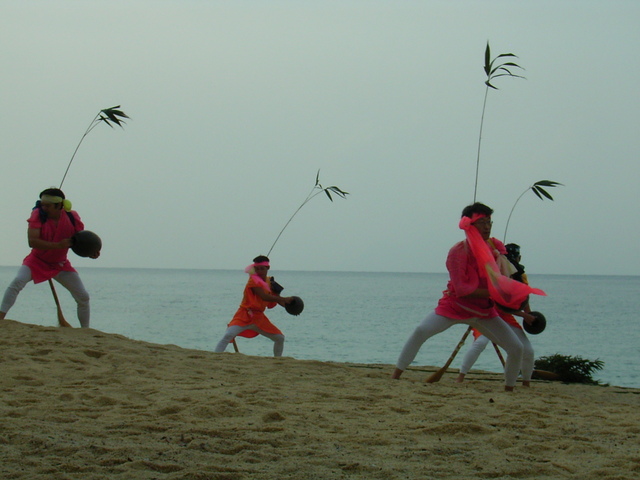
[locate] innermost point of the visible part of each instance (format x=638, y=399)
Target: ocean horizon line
x=387, y=272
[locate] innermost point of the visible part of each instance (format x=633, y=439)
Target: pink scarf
x=256, y=278
x=503, y=290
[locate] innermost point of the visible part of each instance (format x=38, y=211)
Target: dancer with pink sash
x=250, y=320
x=512, y=268
x=475, y=286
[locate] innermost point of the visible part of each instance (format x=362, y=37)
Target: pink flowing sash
x=502, y=290
x=256, y=278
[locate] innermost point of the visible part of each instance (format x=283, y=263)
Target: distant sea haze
x=348, y=317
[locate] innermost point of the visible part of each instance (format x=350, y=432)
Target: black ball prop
x=538, y=325
x=86, y=243
x=295, y=307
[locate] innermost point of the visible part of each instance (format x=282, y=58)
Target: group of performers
x=486, y=288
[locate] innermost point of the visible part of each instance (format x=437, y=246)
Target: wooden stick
x=61, y=320
x=436, y=376
x=235, y=345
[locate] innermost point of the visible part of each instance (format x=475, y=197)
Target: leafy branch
x=540, y=192
x=570, y=369
x=493, y=69
x=315, y=191
x=109, y=116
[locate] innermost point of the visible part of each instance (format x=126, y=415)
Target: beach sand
x=82, y=404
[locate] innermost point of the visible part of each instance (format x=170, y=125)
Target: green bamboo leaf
x=548, y=183
x=543, y=192
x=487, y=60
x=106, y=120
x=317, y=178
x=113, y=114
x=326, y=190
x=537, y=194
x=339, y=192
x=507, y=55
x=506, y=71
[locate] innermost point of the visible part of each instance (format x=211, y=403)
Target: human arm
x=463, y=273
x=33, y=236
x=525, y=315
x=270, y=297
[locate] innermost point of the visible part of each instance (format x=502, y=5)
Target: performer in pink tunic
x=51, y=225
x=515, y=270
x=250, y=320
x=475, y=285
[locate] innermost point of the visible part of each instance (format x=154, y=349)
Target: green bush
x=570, y=369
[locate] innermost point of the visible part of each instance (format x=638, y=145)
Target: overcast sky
x=235, y=106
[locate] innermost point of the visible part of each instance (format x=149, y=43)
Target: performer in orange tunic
x=250, y=320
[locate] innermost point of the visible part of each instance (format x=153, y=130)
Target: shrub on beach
x=570, y=369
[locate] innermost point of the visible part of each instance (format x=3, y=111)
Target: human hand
x=527, y=317
x=95, y=255
x=284, y=300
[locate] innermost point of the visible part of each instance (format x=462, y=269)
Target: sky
x=236, y=105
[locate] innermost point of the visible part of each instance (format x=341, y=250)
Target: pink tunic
x=46, y=264
x=464, y=278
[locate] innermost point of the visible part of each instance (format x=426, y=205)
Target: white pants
x=234, y=330
x=494, y=328
x=480, y=343
x=69, y=280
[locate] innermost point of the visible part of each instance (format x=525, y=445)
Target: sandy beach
x=82, y=404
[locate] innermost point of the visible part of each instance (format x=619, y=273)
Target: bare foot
x=508, y=389
x=460, y=378
x=396, y=374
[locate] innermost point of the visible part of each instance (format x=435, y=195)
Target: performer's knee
x=82, y=298
x=514, y=348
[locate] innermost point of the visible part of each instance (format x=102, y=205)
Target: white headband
x=51, y=199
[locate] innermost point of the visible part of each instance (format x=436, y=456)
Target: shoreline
x=80, y=403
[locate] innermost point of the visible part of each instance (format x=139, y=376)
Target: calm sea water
x=348, y=316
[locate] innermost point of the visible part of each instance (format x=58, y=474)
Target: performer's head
x=479, y=208
x=261, y=266
x=513, y=252
x=482, y=213
x=51, y=201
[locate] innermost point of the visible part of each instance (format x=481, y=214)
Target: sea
x=351, y=317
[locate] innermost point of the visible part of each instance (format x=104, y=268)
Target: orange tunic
x=251, y=312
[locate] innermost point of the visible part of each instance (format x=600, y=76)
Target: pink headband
x=256, y=278
x=465, y=222
x=250, y=268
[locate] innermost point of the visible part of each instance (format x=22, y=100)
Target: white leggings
x=69, y=280
x=494, y=328
x=234, y=330
x=480, y=343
